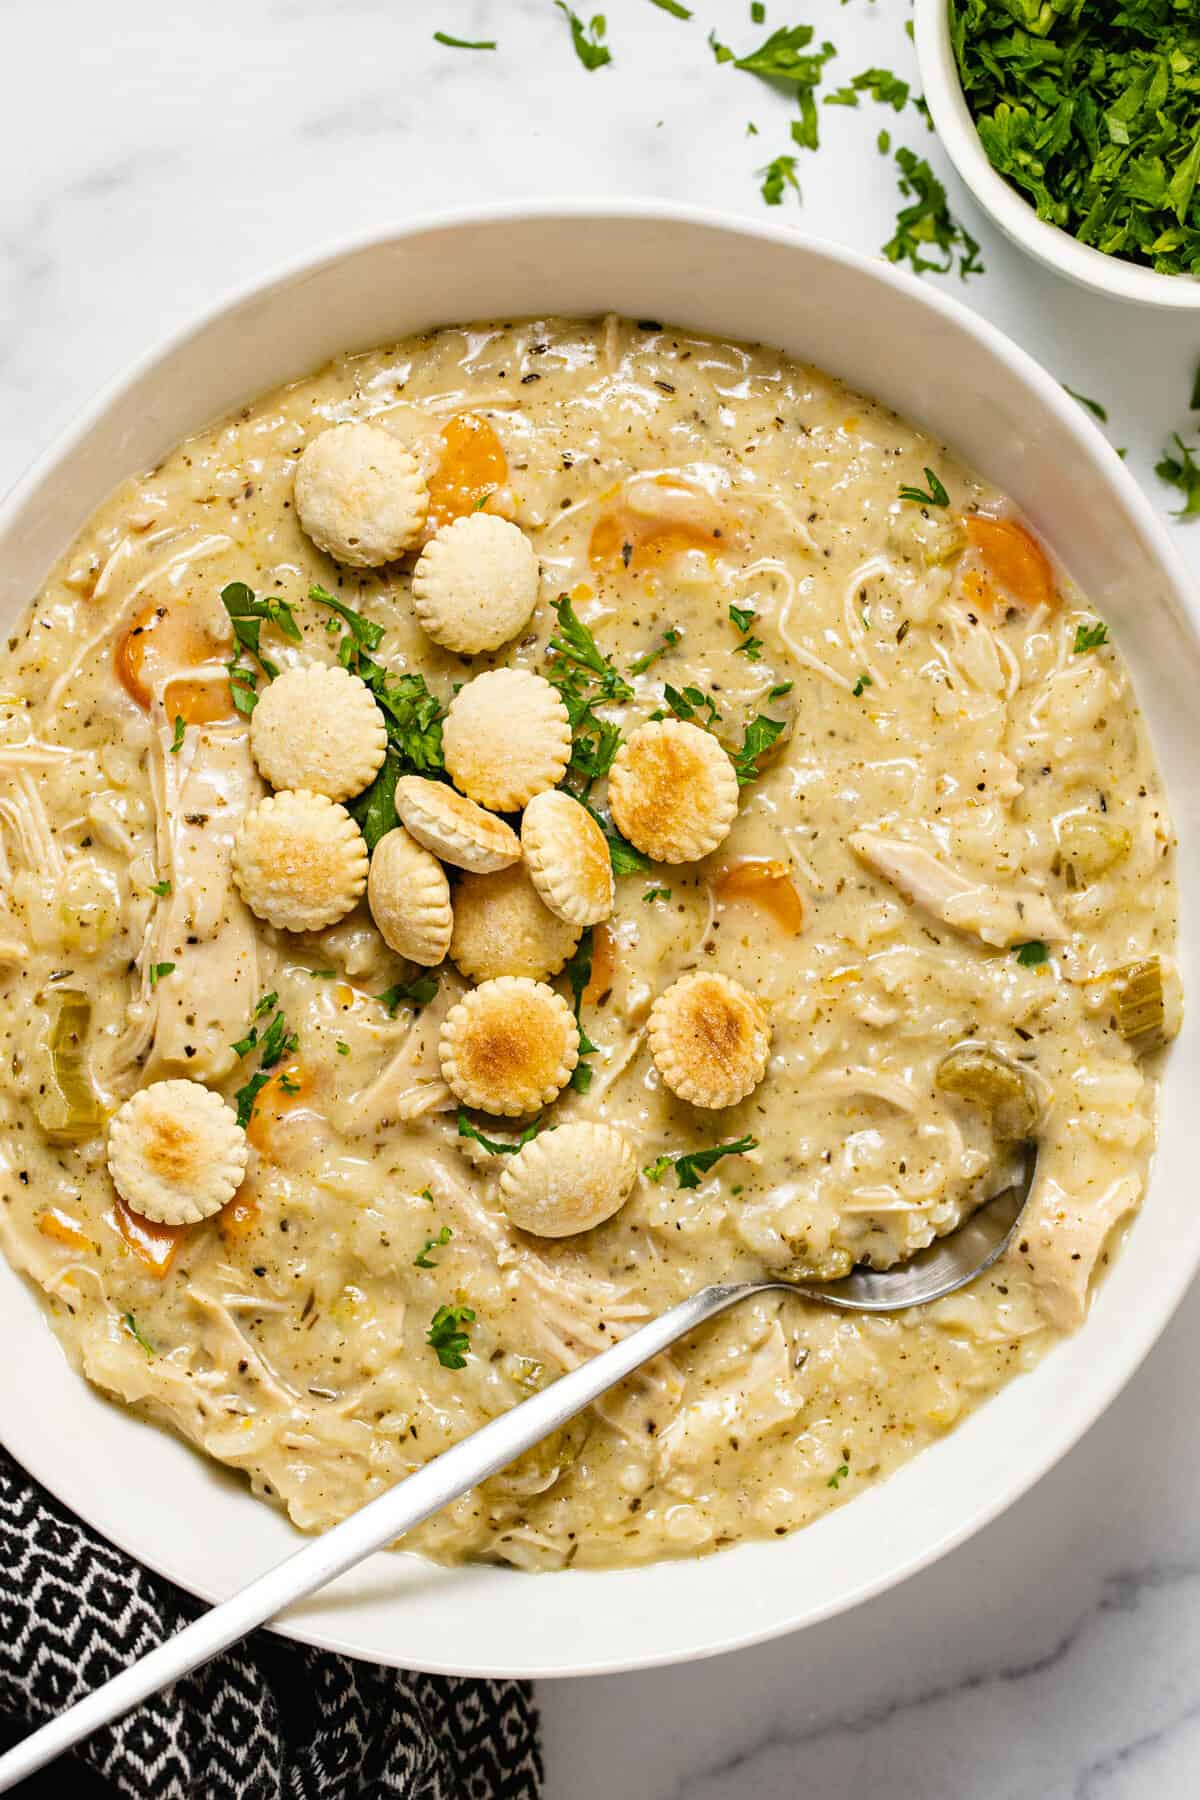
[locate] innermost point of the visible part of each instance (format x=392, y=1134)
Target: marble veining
x=152, y=160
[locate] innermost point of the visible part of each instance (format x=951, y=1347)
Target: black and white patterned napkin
x=268, y=1720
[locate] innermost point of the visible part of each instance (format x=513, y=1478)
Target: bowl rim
x=323, y=1631
x=1052, y=246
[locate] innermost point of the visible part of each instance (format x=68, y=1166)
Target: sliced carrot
x=238, y=1218
x=156, y=1245
x=604, y=965
x=63, y=1229
x=624, y=539
x=291, y=1087
x=160, y=638
x=1014, y=559
x=764, y=883
x=472, y=466
x=199, y=702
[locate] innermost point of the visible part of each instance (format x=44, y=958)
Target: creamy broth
x=942, y=693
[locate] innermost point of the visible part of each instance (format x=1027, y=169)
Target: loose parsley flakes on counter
x=591, y=51
x=1031, y=954
x=1093, y=406
x=760, y=734
x=455, y=43
x=495, y=1146
x=1090, y=637
x=424, y=1260
x=937, y=495
x=880, y=84
x=1182, y=472
x=777, y=175
x=673, y=7
x=445, y=1335
x=785, y=57
x=690, y=1166
x=1092, y=112
x=927, y=221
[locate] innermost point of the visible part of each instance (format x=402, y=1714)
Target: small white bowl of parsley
x=1076, y=125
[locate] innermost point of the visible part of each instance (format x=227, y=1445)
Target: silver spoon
x=948, y=1264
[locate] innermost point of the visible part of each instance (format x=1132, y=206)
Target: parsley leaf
x=275, y=1043
x=158, y=971
x=1093, y=406
x=424, y=1260
x=1031, y=954
x=1090, y=637
x=249, y=614
x=131, y=1326
x=454, y=43
x=927, y=220
x=750, y=647
x=591, y=52
x=838, y=1476
x=778, y=175
x=759, y=736
x=691, y=1166
x=447, y=1338
x=161, y=888
x=495, y=1146
x=177, y=740
x=650, y=657
x=937, y=495
x=673, y=7
x=624, y=858
x=246, y=1096
x=652, y=894
x=1182, y=472
x=1196, y=391
x=419, y=992
x=585, y=678
x=688, y=704
x=864, y=681
x=579, y=972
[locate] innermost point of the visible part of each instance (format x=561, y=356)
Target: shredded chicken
x=1000, y=916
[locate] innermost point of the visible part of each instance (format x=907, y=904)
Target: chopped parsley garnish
x=424, y=1260
x=690, y=1167
x=937, y=495
x=780, y=688
x=1182, y=472
x=688, y=704
x=131, y=1326
x=1093, y=406
x=1092, y=112
x=418, y=992
x=650, y=657
x=760, y=734
x=275, y=1043
x=249, y=614
x=928, y=222
x=864, y=681
x=777, y=176
x=158, y=970
x=838, y=1476
x=177, y=740
x=1031, y=954
x=412, y=715
x=787, y=59
x=495, y=1146
x=161, y=888
x=1090, y=637
x=750, y=647
x=343, y=1049
x=453, y=43
x=624, y=858
x=591, y=51
x=585, y=678
x=579, y=972
x=446, y=1336
x=246, y=1096
x=653, y=894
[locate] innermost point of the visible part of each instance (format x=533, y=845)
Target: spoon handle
x=380, y=1522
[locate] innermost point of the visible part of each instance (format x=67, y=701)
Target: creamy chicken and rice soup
x=872, y=882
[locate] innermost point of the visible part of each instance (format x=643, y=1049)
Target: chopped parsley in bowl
x=1077, y=126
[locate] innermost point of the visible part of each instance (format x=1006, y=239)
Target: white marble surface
x=153, y=156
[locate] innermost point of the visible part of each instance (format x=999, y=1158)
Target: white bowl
x=1014, y=215
x=932, y=360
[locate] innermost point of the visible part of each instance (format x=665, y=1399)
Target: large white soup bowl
x=933, y=361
